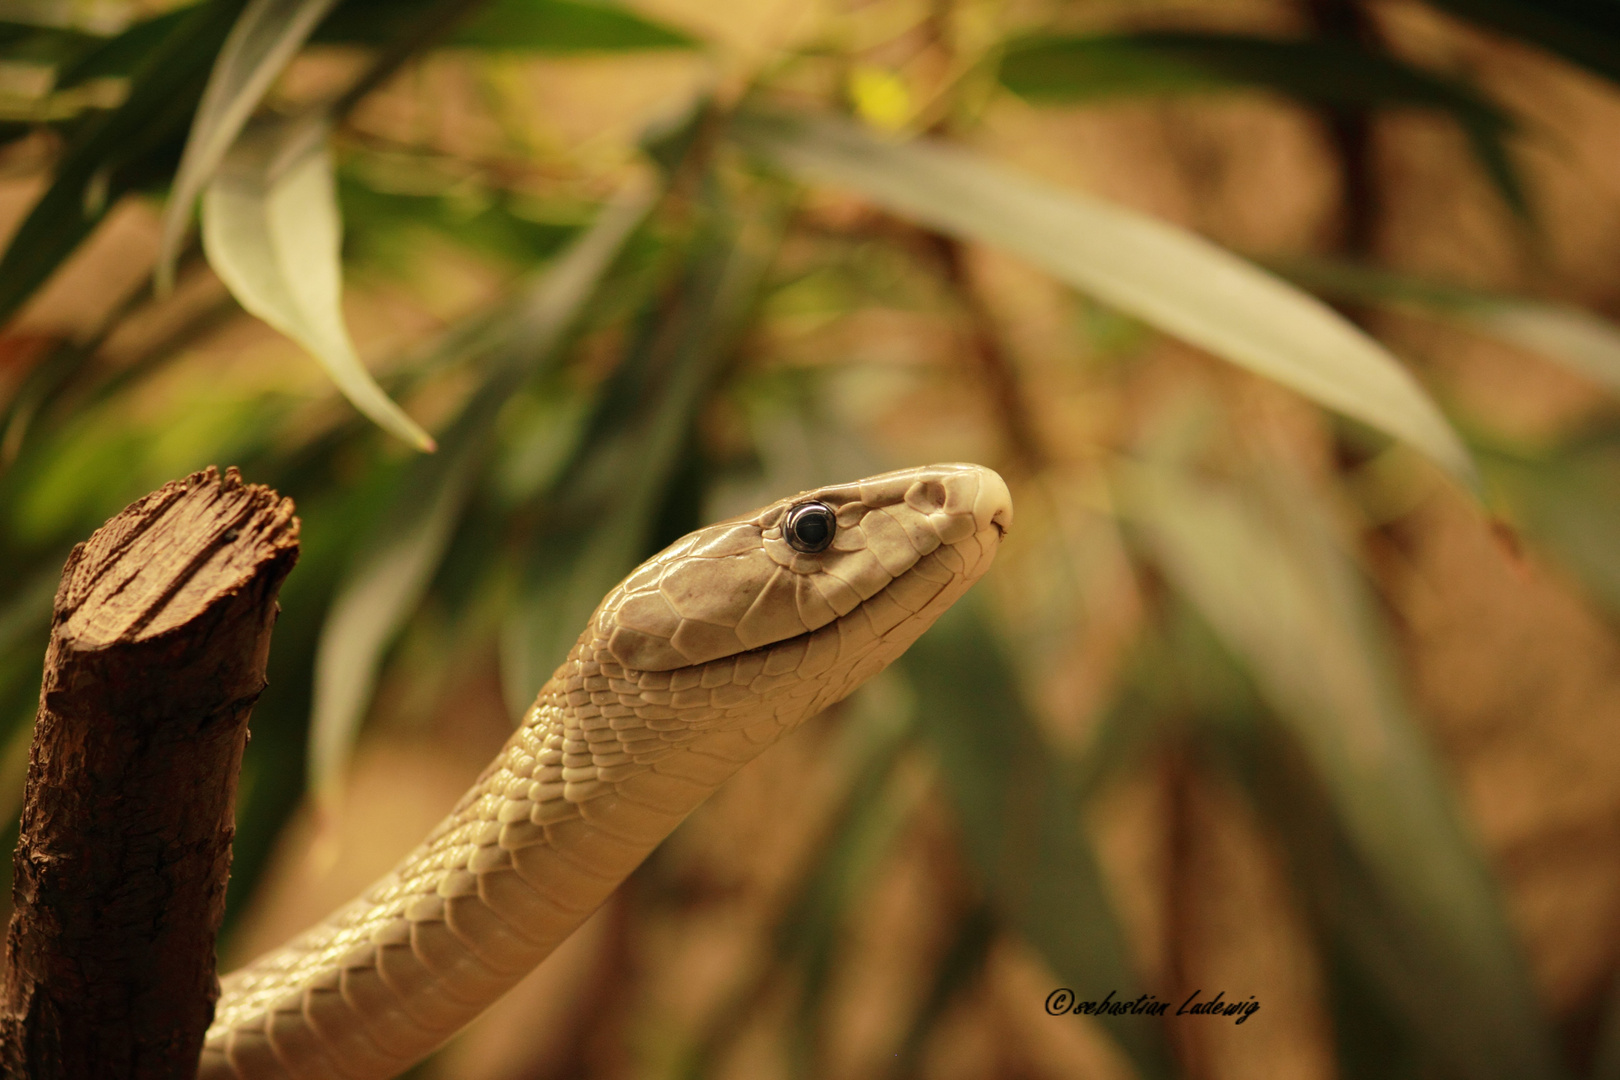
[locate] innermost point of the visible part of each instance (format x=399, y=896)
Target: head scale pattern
x=743, y=585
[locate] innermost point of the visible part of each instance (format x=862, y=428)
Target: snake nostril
x=993, y=505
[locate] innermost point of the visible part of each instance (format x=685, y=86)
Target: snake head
x=879, y=557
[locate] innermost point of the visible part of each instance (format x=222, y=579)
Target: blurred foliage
x=1332, y=74
x=644, y=348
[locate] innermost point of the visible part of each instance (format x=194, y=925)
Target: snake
x=704, y=656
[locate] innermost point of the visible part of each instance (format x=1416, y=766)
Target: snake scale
x=704, y=656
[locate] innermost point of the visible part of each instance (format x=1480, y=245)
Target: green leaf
x=1606, y=1052
x=1163, y=275
x=1332, y=74
x=261, y=43
x=1021, y=821
x=114, y=151
x=958, y=970
x=31, y=44
x=542, y=26
x=876, y=733
x=565, y=26
x=72, y=58
x=272, y=786
x=1580, y=340
x=1221, y=725
x=1569, y=504
x=1064, y=69
x=25, y=611
x=1584, y=31
x=1262, y=567
x=550, y=304
x=870, y=819
x=121, y=54
x=386, y=583
x=599, y=519
x=385, y=226
x=390, y=573
x=271, y=231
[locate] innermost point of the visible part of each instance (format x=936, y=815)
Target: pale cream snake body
x=705, y=655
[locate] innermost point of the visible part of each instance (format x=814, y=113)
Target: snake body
x=705, y=655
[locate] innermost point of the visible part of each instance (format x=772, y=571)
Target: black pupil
x=811, y=528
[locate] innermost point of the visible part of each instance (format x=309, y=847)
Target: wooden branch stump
x=157, y=653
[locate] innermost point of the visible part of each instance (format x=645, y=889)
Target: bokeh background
x=1275, y=690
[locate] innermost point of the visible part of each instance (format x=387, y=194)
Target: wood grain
x=159, y=638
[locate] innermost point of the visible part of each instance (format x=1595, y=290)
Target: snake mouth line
x=804, y=636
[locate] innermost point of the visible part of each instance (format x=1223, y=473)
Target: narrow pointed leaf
x=30, y=43
x=956, y=973
x=1021, y=823
x=1583, y=31
x=25, y=610
x=538, y=26
x=1568, y=503
x=1331, y=74
x=1574, y=337
x=1067, y=69
x=261, y=43
x=272, y=233
x=385, y=587
x=565, y=26
x=816, y=924
x=1606, y=1055
x=390, y=574
x=1264, y=571
x=599, y=518
x=115, y=151
x=121, y=54
x=876, y=734
x=1163, y=275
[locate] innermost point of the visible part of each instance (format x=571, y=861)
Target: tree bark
x=157, y=653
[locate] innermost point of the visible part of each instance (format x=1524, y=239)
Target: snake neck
x=605, y=765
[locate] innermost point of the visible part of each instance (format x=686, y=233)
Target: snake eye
x=809, y=527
